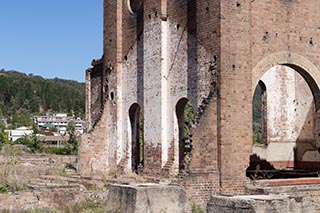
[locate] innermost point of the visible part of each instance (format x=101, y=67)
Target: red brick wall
x=242, y=37
x=235, y=94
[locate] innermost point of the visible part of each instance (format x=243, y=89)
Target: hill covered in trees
x=24, y=95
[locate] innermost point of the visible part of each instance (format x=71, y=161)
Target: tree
x=35, y=128
x=4, y=139
x=33, y=142
x=33, y=94
x=22, y=118
x=71, y=146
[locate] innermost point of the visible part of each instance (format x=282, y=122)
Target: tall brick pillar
x=154, y=86
x=235, y=95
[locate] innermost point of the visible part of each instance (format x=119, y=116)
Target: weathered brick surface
x=165, y=52
x=307, y=189
x=291, y=119
x=28, y=165
x=259, y=203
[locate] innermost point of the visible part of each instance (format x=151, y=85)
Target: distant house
x=58, y=121
x=51, y=140
x=54, y=140
x=18, y=133
x=60, y=115
x=79, y=124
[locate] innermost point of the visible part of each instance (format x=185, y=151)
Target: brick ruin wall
x=166, y=52
x=292, y=121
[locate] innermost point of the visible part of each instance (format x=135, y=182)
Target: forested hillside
x=29, y=94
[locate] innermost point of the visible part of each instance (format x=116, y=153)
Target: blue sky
x=50, y=38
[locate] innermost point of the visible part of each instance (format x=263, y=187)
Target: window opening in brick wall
x=137, y=141
x=259, y=114
x=134, y=5
x=185, y=116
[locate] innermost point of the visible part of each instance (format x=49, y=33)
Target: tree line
x=23, y=95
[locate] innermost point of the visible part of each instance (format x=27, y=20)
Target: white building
x=19, y=133
x=58, y=121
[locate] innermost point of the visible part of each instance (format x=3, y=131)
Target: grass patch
x=197, y=209
x=106, y=185
x=56, y=150
x=3, y=190
x=25, y=211
x=91, y=187
x=87, y=206
x=12, y=150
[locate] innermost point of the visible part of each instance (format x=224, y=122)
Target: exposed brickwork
x=306, y=188
x=292, y=119
x=164, y=52
x=260, y=203
x=94, y=90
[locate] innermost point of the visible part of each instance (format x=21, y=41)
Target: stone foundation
x=147, y=198
x=258, y=203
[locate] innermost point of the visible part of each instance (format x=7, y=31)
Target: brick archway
x=295, y=61
x=296, y=143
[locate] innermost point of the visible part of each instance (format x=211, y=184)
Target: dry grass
x=56, y=168
x=10, y=181
x=87, y=206
x=19, y=169
x=14, y=175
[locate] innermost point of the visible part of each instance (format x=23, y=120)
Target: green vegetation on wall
x=188, y=119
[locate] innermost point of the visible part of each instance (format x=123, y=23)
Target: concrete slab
x=147, y=197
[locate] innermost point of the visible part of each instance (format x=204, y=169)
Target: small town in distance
x=52, y=129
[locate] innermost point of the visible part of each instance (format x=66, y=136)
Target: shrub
x=56, y=150
x=33, y=143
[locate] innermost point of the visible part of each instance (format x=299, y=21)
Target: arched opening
x=259, y=115
x=285, y=124
x=185, y=116
x=137, y=142
x=134, y=5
